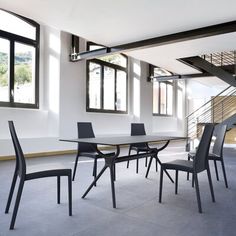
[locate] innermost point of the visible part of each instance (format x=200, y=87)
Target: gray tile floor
x=138, y=211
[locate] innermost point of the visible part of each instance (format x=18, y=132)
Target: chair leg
x=146, y=160
x=161, y=184
x=224, y=173
x=137, y=162
x=176, y=182
x=149, y=165
x=114, y=172
x=75, y=166
x=95, y=169
x=18, y=197
x=188, y=172
x=58, y=189
x=128, y=155
x=197, y=193
x=112, y=187
x=216, y=169
x=193, y=180
x=11, y=192
x=210, y=184
x=156, y=166
x=70, y=194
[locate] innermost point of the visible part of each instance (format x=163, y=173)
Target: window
x=19, y=61
x=162, y=93
x=107, y=83
x=180, y=98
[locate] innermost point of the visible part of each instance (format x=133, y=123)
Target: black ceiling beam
x=198, y=62
x=203, y=32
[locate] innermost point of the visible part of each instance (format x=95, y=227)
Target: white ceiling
x=111, y=23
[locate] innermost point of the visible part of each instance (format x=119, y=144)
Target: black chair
x=138, y=129
x=20, y=170
x=217, y=152
x=199, y=164
x=85, y=130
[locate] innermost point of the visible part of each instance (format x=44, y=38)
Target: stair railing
x=216, y=110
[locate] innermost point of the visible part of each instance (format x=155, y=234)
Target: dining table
x=116, y=142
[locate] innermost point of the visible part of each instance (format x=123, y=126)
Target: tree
x=23, y=74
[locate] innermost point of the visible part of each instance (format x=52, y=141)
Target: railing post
x=213, y=111
x=187, y=147
x=222, y=111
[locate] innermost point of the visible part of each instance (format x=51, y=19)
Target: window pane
x=24, y=80
x=163, y=98
x=169, y=99
x=15, y=25
x=121, y=90
x=180, y=104
x=115, y=59
x=4, y=70
x=155, y=97
x=158, y=71
x=94, y=86
x=95, y=47
x=109, y=88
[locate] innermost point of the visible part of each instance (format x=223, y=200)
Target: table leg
x=94, y=181
x=109, y=162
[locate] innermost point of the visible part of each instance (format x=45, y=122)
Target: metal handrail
x=208, y=101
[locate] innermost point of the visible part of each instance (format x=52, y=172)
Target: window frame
x=14, y=38
x=151, y=73
x=115, y=67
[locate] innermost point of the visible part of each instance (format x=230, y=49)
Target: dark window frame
x=151, y=73
x=115, y=67
x=14, y=38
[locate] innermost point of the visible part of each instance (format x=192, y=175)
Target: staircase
x=220, y=109
x=221, y=65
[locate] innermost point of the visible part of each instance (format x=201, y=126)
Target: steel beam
x=197, y=33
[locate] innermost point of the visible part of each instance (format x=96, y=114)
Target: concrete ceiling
x=116, y=22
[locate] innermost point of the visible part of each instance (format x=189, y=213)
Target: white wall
x=63, y=102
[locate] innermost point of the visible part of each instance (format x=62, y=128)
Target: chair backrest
x=20, y=159
x=200, y=160
x=138, y=129
x=85, y=130
x=219, y=142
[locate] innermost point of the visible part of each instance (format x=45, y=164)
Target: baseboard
x=39, y=154
x=63, y=152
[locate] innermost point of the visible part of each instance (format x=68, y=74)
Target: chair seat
x=191, y=155
x=211, y=156
x=48, y=173
x=95, y=154
x=140, y=149
x=182, y=165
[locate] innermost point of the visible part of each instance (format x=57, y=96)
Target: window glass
x=19, y=61
x=111, y=83
x=109, y=88
x=163, y=99
x=180, y=103
x=4, y=70
x=24, y=84
x=156, y=97
x=94, y=86
x=158, y=71
x=169, y=99
x=115, y=59
x=121, y=91
x=15, y=25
